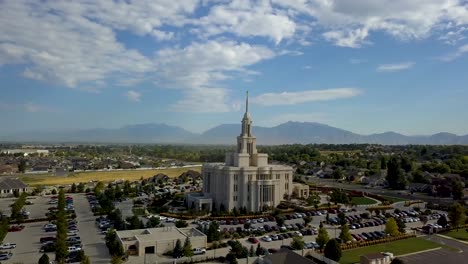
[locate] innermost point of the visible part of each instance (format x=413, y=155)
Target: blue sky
x=367, y=66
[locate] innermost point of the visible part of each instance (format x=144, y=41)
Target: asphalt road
x=93, y=242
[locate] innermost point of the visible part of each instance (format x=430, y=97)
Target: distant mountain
x=142, y=133
x=287, y=133
x=308, y=132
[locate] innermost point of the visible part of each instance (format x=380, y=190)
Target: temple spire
x=247, y=103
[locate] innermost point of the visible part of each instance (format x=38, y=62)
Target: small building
x=376, y=258
x=301, y=190
x=158, y=240
x=9, y=185
x=199, y=202
x=284, y=256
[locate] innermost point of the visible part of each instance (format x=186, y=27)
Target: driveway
x=93, y=242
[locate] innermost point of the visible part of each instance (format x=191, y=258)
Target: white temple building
x=245, y=179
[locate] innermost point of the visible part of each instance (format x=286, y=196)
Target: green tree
x=188, y=251
x=337, y=174
x=297, y=243
x=457, y=190
x=280, y=221
x=442, y=221
x=181, y=223
x=85, y=260
x=401, y=226
x=313, y=199
x=73, y=188
x=342, y=218
x=307, y=220
x=383, y=163
x=251, y=251
x=345, y=235
x=80, y=187
x=456, y=214
x=395, y=177
x=44, y=259
x=333, y=250
x=339, y=196
x=212, y=232
x=391, y=227
x=22, y=166
x=259, y=250
x=322, y=237
x=178, y=250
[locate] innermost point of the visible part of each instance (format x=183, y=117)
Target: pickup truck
x=199, y=251
x=7, y=246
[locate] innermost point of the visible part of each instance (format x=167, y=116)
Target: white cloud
x=291, y=98
x=459, y=52
x=247, y=18
x=59, y=45
x=349, y=23
x=199, y=67
x=133, y=96
x=395, y=67
x=307, y=67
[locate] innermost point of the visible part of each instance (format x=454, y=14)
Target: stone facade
x=246, y=179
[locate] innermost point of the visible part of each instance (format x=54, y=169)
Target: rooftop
x=161, y=233
x=286, y=256
x=12, y=183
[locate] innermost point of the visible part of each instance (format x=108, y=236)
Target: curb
x=451, y=238
x=419, y=252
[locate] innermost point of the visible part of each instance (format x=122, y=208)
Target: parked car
x=266, y=239
x=253, y=240
x=15, y=228
x=7, y=246
x=5, y=256
x=199, y=251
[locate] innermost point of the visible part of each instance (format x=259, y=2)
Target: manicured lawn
x=105, y=176
x=362, y=200
x=461, y=234
x=394, y=199
x=399, y=247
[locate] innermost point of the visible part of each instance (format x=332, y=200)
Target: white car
x=199, y=251
x=170, y=220
x=7, y=246
x=297, y=233
x=266, y=239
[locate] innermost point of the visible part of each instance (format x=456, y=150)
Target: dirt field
x=104, y=176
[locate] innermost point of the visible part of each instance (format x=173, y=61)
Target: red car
x=253, y=240
x=16, y=228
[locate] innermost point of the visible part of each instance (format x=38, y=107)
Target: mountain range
x=286, y=133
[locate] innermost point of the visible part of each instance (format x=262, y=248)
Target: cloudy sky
x=363, y=65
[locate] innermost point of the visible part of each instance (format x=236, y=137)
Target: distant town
x=245, y=203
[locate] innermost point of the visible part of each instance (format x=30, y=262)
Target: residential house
x=189, y=175
x=9, y=185
x=284, y=256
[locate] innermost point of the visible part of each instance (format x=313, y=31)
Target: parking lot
x=28, y=239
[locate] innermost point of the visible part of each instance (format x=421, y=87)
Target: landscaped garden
x=399, y=247
x=362, y=201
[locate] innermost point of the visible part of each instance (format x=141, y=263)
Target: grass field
x=460, y=235
x=394, y=199
x=399, y=247
x=104, y=176
x=362, y=200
